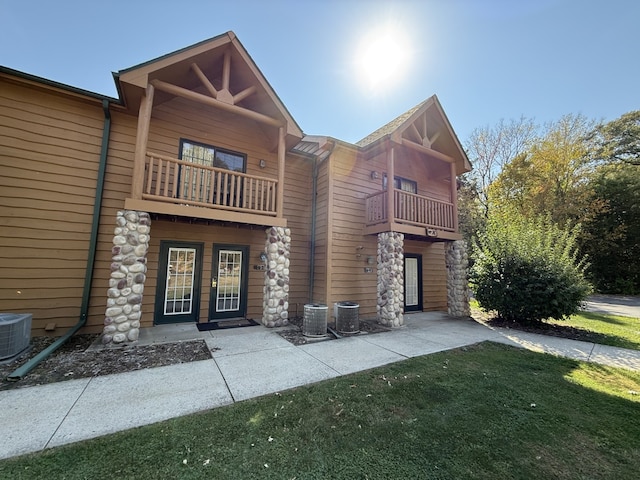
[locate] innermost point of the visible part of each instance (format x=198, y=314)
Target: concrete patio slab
x=29, y=417
x=141, y=398
x=244, y=340
x=351, y=354
x=257, y=373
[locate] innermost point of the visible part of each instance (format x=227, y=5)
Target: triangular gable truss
x=426, y=129
x=217, y=72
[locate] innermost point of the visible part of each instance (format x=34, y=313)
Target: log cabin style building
x=196, y=197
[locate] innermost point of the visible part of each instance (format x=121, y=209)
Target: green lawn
x=606, y=329
x=611, y=330
x=489, y=411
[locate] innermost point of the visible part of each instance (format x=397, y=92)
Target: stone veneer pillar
x=390, y=306
x=275, y=305
x=128, y=274
x=457, y=278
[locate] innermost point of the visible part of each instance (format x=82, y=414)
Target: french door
x=412, y=282
x=228, y=297
x=178, y=289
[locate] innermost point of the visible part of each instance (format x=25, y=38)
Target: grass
x=610, y=329
x=616, y=331
x=488, y=412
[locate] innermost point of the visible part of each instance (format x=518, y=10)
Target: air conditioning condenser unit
x=15, y=333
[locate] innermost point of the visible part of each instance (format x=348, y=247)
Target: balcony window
x=211, y=156
x=400, y=183
x=197, y=187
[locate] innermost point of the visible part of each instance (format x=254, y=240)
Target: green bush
x=527, y=270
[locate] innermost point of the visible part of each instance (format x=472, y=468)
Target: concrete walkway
x=246, y=363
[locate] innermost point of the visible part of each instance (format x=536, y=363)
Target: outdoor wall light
x=262, y=163
x=263, y=257
x=375, y=175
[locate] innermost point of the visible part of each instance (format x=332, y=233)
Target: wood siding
x=171, y=121
x=434, y=273
x=50, y=149
x=49, y=156
x=351, y=182
x=320, y=279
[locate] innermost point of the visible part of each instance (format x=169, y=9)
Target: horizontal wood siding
x=352, y=183
x=297, y=209
x=350, y=248
x=209, y=235
x=322, y=235
x=49, y=156
x=434, y=273
x=171, y=121
x=117, y=187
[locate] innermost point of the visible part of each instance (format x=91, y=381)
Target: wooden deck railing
x=175, y=181
x=411, y=209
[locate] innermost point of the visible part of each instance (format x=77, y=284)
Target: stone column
x=275, y=305
x=457, y=278
x=128, y=274
x=390, y=306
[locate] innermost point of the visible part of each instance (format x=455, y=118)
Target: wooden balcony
x=176, y=187
x=413, y=214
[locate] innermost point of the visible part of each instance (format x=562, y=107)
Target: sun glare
x=383, y=58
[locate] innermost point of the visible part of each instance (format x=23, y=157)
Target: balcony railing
x=410, y=209
x=186, y=183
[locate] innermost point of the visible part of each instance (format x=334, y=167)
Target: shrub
x=527, y=270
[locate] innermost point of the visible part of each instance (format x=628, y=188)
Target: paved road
x=623, y=305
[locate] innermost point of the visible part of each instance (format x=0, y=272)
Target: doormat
x=222, y=324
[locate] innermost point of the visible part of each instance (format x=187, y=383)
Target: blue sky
x=486, y=60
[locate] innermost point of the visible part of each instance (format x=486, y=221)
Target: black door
x=178, y=289
x=412, y=282
x=229, y=282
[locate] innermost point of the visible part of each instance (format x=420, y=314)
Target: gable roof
x=428, y=122
x=390, y=127
x=176, y=68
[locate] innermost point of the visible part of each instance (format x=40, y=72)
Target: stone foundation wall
x=275, y=306
x=390, y=306
x=457, y=278
x=128, y=274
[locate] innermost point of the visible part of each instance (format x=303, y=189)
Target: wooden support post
x=281, y=158
x=226, y=71
x=454, y=196
x=391, y=210
x=142, y=137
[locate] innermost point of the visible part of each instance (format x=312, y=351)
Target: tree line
x=575, y=175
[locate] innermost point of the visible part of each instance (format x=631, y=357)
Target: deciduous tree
x=619, y=140
x=491, y=148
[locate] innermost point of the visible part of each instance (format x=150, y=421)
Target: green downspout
x=84, y=308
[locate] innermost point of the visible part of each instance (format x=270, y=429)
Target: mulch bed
x=72, y=360
x=294, y=333
x=543, y=328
